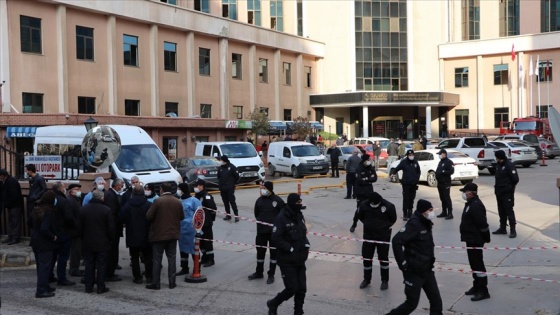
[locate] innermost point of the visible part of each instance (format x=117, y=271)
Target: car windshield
x=384, y=143
x=524, y=125
x=456, y=155
x=204, y=162
x=531, y=138
x=238, y=150
x=141, y=157
x=305, y=150
x=347, y=150
x=516, y=144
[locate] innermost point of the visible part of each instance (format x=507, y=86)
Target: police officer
x=377, y=215
x=227, y=178
x=365, y=177
x=417, y=260
x=267, y=207
x=208, y=204
x=474, y=231
x=351, y=167
x=504, y=188
x=443, y=175
x=292, y=246
x=409, y=182
x=334, y=152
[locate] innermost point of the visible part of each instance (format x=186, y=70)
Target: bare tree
x=301, y=127
x=260, y=122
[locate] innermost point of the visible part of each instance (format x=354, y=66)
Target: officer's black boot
x=384, y=278
x=512, y=232
x=501, y=230
x=258, y=273
x=367, y=279
x=184, y=265
x=209, y=260
x=271, y=272
x=449, y=215
x=409, y=213
x=443, y=214
x=405, y=215
x=272, y=306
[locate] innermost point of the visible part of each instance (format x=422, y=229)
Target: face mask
x=223, y=163
x=78, y=194
x=179, y=192
x=367, y=163
x=55, y=201
x=196, y=190
x=374, y=205
x=100, y=187
x=132, y=186
x=147, y=193
x=64, y=191
x=431, y=216
x=464, y=196
x=296, y=207
x=411, y=157
x=264, y=192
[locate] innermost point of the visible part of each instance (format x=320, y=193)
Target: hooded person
x=363, y=187
x=289, y=236
x=186, y=240
x=227, y=179
x=413, y=248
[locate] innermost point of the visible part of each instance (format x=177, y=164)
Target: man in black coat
x=363, y=186
x=378, y=216
x=64, y=220
x=112, y=199
x=334, y=152
x=134, y=181
x=12, y=200
x=37, y=187
x=74, y=196
x=289, y=236
x=98, y=227
x=267, y=207
x=133, y=215
x=443, y=176
x=474, y=231
x=227, y=178
x=409, y=182
x=417, y=260
x=208, y=203
x=506, y=181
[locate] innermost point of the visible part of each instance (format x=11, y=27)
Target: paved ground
x=333, y=280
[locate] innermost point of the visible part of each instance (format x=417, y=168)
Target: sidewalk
x=18, y=255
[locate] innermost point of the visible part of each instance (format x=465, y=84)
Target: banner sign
x=48, y=166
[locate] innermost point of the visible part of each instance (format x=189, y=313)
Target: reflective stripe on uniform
x=273, y=261
x=368, y=268
x=184, y=259
x=481, y=275
x=260, y=260
x=211, y=252
x=384, y=267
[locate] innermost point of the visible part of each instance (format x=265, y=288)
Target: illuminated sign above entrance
x=385, y=98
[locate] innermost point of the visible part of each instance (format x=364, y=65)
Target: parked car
x=369, y=150
x=475, y=147
x=203, y=167
x=531, y=138
x=465, y=167
x=521, y=152
x=551, y=149
x=346, y=154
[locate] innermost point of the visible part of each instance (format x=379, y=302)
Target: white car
x=465, y=167
x=521, y=153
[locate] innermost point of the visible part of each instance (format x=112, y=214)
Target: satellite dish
x=101, y=147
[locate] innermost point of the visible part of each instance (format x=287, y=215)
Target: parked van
x=241, y=154
x=139, y=155
x=296, y=157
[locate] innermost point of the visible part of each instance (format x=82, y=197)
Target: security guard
x=377, y=215
x=443, y=175
x=504, y=188
x=363, y=187
x=409, y=182
x=292, y=246
x=417, y=260
x=227, y=179
x=206, y=247
x=267, y=207
x=475, y=232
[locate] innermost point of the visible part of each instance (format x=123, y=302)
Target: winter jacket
x=98, y=226
x=474, y=226
x=365, y=177
x=186, y=241
x=266, y=210
x=37, y=187
x=113, y=201
x=506, y=178
x=289, y=237
x=377, y=221
x=353, y=163
x=393, y=149
x=227, y=176
x=418, y=242
x=165, y=216
x=411, y=171
x=10, y=194
x=64, y=217
x=74, y=204
x=44, y=228
x=334, y=154
x=133, y=215
x=444, y=171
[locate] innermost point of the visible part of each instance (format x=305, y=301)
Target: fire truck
x=527, y=125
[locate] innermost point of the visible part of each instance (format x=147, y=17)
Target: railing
x=12, y=161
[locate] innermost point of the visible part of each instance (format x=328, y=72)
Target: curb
x=16, y=256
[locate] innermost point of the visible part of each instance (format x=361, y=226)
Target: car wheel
x=551, y=156
x=492, y=170
x=271, y=170
x=464, y=182
x=295, y=173
x=432, y=181
x=526, y=164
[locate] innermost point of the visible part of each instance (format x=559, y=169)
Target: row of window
x=30, y=28
x=500, y=114
x=501, y=74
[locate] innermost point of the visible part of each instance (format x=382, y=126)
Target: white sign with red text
x=48, y=166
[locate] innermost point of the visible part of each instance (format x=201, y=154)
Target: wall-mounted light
x=193, y=138
x=90, y=123
x=184, y=140
x=415, y=121
x=357, y=121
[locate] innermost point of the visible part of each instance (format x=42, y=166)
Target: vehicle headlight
x=261, y=164
x=304, y=161
x=179, y=179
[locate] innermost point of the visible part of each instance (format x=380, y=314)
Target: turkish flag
x=547, y=71
x=512, y=52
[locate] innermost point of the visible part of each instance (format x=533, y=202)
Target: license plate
x=527, y=152
x=251, y=174
x=213, y=173
x=317, y=167
x=465, y=173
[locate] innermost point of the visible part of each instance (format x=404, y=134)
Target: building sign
x=384, y=98
x=21, y=132
x=402, y=97
x=239, y=124
x=48, y=166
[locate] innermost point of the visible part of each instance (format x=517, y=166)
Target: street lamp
x=90, y=123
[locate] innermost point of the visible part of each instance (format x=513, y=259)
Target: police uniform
x=377, y=215
x=227, y=179
x=417, y=261
x=292, y=246
x=474, y=231
x=363, y=187
x=409, y=182
x=504, y=188
x=443, y=175
x=207, y=247
x=267, y=207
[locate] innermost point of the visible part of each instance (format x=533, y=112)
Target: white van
x=241, y=154
x=296, y=157
x=139, y=153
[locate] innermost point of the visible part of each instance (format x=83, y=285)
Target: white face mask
x=431, y=216
x=179, y=192
x=147, y=193
x=78, y=194
x=100, y=187
x=367, y=163
x=411, y=157
x=374, y=205
x=464, y=196
x=196, y=190
x=264, y=192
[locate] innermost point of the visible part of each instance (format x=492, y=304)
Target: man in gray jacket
x=351, y=166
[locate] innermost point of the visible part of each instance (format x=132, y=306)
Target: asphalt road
x=333, y=280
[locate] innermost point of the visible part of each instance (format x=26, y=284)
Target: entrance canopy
x=384, y=98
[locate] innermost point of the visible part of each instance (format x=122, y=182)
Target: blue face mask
x=55, y=201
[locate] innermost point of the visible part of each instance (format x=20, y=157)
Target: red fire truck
x=527, y=125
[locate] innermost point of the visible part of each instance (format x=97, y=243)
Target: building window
x=500, y=114
x=500, y=74
x=171, y=108
x=230, y=138
x=550, y=15
x=229, y=9
x=201, y=138
x=173, y=2
x=542, y=111
x=132, y=107
x=509, y=17
x=254, y=12
x=30, y=34
x=32, y=103
x=169, y=56
x=238, y=112
x=236, y=69
x=276, y=15
x=287, y=73
x=307, y=76
x=130, y=49
x=170, y=148
x=462, y=77
x=84, y=43
x=263, y=70
x=300, y=17
x=545, y=71
x=202, y=6
x=287, y=115
x=205, y=111
x=204, y=61
x=264, y=110
x=86, y=105
x=470, y=11
x=461, y=119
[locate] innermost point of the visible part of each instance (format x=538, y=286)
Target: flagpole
x=531, y=72
x=520, y=85
x=538, y=87
x=547, y=76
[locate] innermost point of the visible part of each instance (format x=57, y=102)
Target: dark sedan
x=203, y=167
